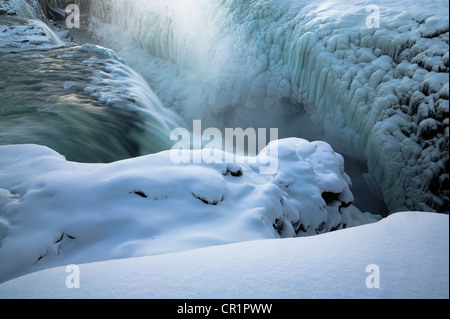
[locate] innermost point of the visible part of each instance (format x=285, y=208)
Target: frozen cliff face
x=379, y=90
x=54, y=212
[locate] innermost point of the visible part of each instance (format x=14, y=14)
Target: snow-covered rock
x=382, y=93
x=54, y=212
x=403, y=256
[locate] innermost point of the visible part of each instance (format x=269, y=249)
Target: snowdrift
x=410, y=251
x=54, y=212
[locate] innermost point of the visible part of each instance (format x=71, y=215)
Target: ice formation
x=381, y=92
x=27, y=9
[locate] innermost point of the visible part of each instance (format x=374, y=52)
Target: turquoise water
x=81, y=101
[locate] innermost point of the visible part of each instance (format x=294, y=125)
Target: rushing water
x=82, y=101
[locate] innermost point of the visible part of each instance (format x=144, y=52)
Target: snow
x=73, y=212
x=409, y=249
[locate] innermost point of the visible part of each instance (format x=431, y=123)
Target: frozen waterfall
x=381, y=94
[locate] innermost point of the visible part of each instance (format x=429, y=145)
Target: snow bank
x=54, y=212
x=373, y=89
x=409, y=251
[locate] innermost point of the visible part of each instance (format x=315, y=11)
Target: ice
x=19, y=34
x=380, y=93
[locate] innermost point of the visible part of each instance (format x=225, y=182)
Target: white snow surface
x=54, y=212
x=410, y=249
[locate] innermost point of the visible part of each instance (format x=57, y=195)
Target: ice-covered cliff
x=31, y=9
x=381, y=93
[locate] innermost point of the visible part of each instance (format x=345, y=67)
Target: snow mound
x=54, y=212
x=406, y=255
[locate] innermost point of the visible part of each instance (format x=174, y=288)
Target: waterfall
x=232, y=61
x=83, y=101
